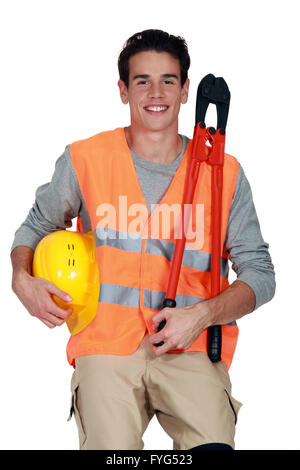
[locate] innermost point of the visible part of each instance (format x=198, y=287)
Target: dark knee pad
x=213, y=446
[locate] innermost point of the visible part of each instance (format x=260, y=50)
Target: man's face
x=154, y=92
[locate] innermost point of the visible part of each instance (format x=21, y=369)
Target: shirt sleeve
x=247, y=250
x=56, y=204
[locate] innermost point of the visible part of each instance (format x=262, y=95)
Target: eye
x=168, y=82
x=142, y=82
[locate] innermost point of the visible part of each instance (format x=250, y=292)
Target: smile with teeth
x=156, y=109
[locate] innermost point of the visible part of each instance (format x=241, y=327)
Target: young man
x=121, y=378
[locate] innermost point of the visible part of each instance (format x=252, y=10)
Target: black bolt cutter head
x=213, y=90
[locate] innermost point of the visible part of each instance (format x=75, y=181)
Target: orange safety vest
x=133, y=251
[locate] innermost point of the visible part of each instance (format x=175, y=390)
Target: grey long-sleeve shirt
x=60, y=200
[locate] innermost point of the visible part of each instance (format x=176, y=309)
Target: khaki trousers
x=115, y=397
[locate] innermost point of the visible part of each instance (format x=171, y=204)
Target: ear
x=123, y=91
x=185, y=91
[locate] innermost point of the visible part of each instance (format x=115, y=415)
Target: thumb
x=53, y=289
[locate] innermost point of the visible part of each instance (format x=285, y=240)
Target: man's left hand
x=183, y=326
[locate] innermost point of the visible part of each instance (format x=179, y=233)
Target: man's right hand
x=35, y=293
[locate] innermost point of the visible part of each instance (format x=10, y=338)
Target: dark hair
x=154, y=40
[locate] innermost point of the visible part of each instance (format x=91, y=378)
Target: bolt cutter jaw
x=212, y=90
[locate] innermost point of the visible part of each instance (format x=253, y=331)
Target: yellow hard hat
x=68, y=260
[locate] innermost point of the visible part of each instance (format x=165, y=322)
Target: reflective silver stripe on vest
x=133, y=242
x=124, y=295
x=154, y=299
x=129, y=296
x=121, y=295
x=121, y=240
x=191, y=258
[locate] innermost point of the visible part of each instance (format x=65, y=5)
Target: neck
x=154, y=146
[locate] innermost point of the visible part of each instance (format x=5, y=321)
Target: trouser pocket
x=234, y=404
x=74, y=410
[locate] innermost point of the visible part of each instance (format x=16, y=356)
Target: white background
x=59, y=84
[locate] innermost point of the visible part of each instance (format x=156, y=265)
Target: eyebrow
x=164, y=75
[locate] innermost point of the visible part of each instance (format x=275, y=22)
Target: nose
x=156, y=90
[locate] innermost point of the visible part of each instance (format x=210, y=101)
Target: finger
x=47, y=323
x=51, y=318
x=62, y=313
x=58, y=292
x=160, y=350
x=159, y=317
x=157, y=337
